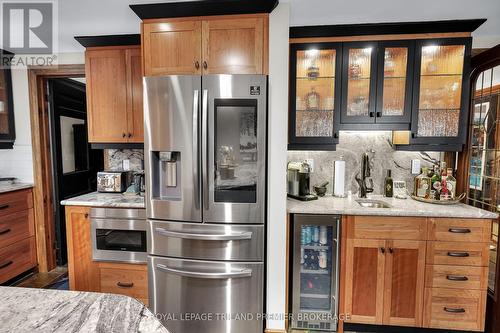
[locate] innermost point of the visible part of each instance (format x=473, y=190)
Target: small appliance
x=114, y=181
x=299, y=181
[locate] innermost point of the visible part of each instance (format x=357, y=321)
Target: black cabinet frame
x=7, y=140
x=314, y=143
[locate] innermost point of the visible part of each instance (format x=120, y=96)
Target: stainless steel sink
x=368, y=203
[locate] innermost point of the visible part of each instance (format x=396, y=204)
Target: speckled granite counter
x=115, y=200
x=400, y=207
x=42, y=310
x=8, y=186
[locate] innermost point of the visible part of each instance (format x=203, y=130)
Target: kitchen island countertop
x=400, y=207
x=48, y=310
x=113, y=200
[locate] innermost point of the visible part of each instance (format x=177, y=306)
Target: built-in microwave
x=118, y=235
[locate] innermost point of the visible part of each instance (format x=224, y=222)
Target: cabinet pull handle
x=454, y=310
x=458, y=254
x=382, y=250
x=413, y=135
x=457, y=278
x=4, y=207
x=6, y=264
x=460, y=230
x=125, y=284
x=379, y=114
x=205, y=65
x=124, y=135
x=4, y=231
x=197, y=65
x=372, y=114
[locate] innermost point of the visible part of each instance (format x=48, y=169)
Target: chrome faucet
x=365, y=176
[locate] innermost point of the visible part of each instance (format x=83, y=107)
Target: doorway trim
x=42, y=163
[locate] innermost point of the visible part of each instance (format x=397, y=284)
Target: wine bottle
x=389, y=185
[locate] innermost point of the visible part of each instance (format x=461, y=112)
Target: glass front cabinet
x=7, y=131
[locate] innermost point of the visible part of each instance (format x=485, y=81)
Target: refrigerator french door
x=205, y=147
x=315, y=280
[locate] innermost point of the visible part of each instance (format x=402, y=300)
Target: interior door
x=234, y=113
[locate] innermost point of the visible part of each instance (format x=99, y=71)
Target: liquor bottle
x=388, y=190
x=422, y=184
x=444, y=194
x=435, y=183
x=451, y=183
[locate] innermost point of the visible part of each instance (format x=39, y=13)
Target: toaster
x=114, y=181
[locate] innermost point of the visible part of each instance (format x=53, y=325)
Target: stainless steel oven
x=119, y=235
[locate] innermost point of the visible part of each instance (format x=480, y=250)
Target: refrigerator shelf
x=315, y=271
x=315, y=295
x=316, y=247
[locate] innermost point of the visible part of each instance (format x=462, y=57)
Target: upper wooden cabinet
x=114, y=94
x=234, y=44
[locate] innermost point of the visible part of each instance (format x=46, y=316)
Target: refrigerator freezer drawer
x=202, y=296
x=206, y=241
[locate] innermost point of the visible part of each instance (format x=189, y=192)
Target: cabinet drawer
x=12, y=202
x=460, y=254
x=17, y=258
x=456, y=277
x=16, y=227
x=124, y=279
x=459, y=230
x=383, y=227
x=454, y=309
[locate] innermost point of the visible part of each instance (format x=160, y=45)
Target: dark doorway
x=74, y=163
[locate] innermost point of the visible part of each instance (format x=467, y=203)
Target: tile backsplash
x=382, y=157
x=113, y=159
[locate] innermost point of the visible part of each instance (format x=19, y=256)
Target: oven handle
x=243, y=273
x=208, y=237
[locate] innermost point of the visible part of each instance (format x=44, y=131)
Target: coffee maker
x=298, y=178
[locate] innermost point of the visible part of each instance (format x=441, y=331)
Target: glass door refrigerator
x=315, y=267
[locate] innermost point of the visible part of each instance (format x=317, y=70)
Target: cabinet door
x=106, y=75
x=440, y=96
x=172, y=48
x=359, y=82
x=314, y=95
x=82, y=271
x=134, y=85
x=404, y=283
x=364, y=280
x=394, y=82
x=233, y=46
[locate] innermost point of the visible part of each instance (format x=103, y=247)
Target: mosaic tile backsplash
x=113, y=159
x=382, y=157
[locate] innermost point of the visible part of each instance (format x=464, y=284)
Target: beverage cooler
x=315, y=266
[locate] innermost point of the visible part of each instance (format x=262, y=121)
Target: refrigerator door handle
x=208, y=237
x=243, y=273
x=196, y=178
x=204, y=116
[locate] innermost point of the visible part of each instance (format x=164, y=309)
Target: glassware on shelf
x=313, y=100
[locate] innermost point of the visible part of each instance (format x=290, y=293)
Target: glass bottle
x=435, y=183
x=444, y=194
x=388, y=189
x=451, y=183
x=312, y=100
x=422, y=184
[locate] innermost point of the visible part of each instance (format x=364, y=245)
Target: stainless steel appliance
x=205, y=147
x=315, y=266
x=299, y=186
x=113, y=181
x=118, y=234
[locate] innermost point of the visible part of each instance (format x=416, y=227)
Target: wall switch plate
x=310, y=162
x=415, y=167
x=126, y=165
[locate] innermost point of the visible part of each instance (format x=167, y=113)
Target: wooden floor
x=43, y=280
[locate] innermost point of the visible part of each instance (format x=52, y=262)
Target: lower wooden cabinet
x=17, y=258
x=124, y=279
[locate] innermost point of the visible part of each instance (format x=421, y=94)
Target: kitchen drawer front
x=383, y=227
x=16, y=227
x=12, y=202
x=456, y=277
x=17, y=258
x=124, y=279
x=459, y=230
x=459, y=254
x=455, y=309
x=206, y=241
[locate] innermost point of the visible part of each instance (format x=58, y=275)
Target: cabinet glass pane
x=317, y=258
x=315, y=93
x=440, y=90
x=4, y=112
x=395, y=64
x=358, y=81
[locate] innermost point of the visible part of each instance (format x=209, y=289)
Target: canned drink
x=302, y=254
x=308, y=237
x=323, y=259
x=315, y=234
x=323, y=235
x=303, y=235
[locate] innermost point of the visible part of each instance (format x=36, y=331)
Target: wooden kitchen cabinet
x=114, y=94
x=235, y=44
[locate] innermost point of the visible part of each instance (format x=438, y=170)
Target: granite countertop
x=9, y=186
x=116, y=200
x=48, y=310
x=400, y=207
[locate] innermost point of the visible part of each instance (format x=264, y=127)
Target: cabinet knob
x=372, y=114
x=391, y=250
x=382, y=250
x=413, y=135
x=124, y=135
x=379, y=114
x=130, y=135
x=205, y=65
x=86, y=215
x=197, y=65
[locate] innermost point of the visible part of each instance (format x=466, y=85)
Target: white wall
x=18, y=162
x=278, y=120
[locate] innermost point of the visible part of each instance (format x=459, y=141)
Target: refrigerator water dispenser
x=167, y=171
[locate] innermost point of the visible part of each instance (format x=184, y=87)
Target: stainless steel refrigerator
x=205, y=159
